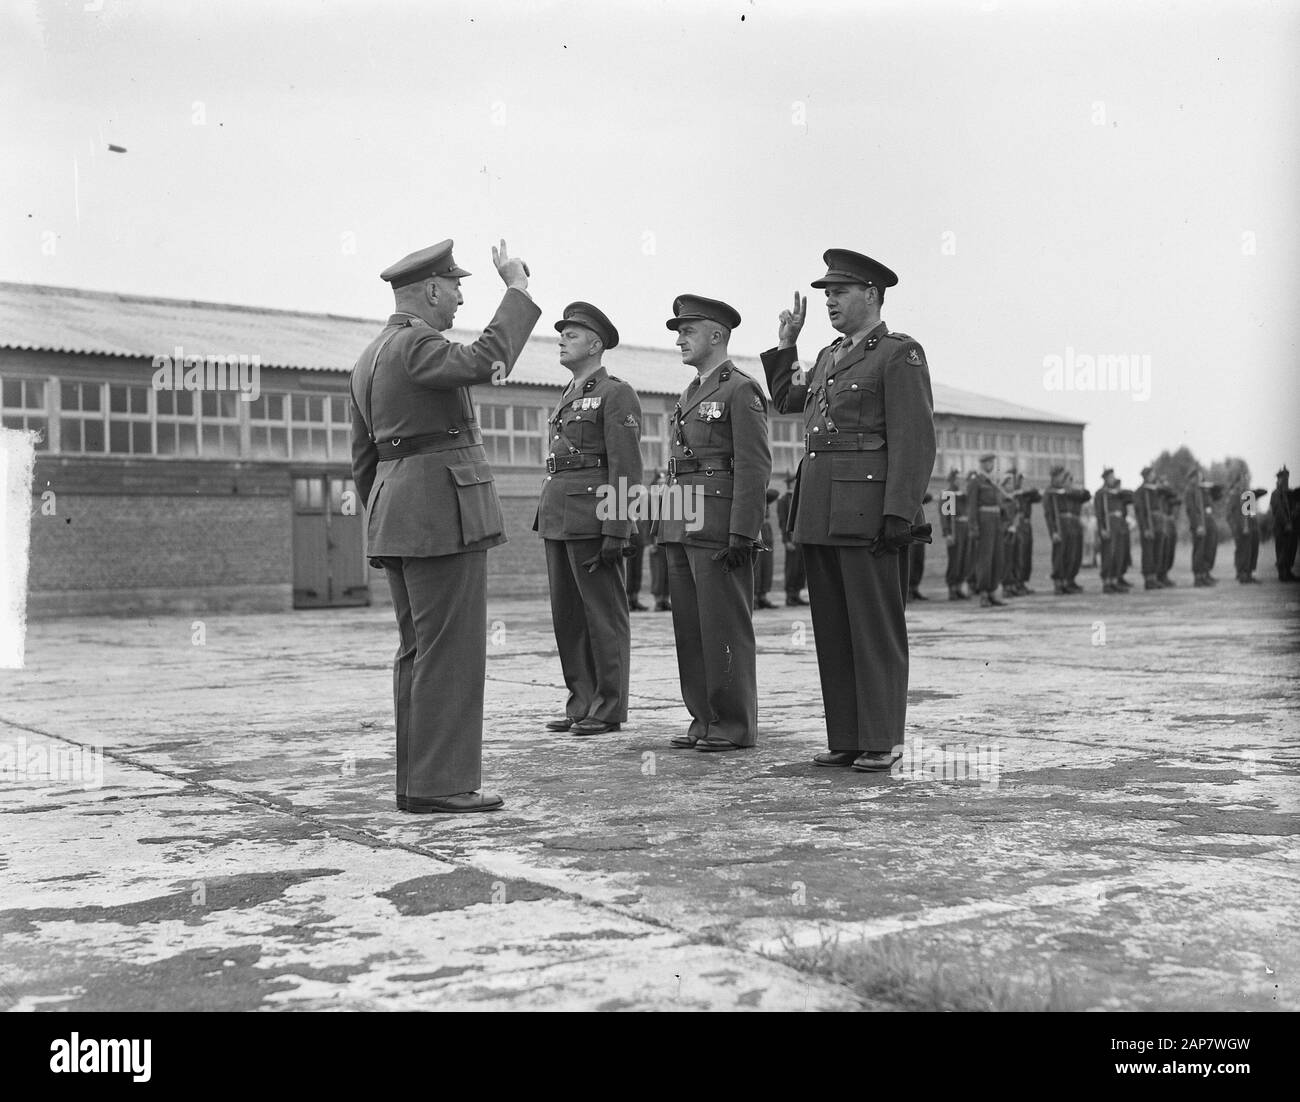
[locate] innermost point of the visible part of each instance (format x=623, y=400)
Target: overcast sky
x=1048, y=179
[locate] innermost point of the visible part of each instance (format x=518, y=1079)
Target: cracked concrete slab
x=212, y=826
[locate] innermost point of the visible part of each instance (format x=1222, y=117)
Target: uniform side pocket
x=476, y=497
x=857, y=494
x=580, y=519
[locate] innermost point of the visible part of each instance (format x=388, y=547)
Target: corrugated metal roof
x=65, y=319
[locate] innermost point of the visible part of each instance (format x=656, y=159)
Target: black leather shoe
x=461, y=803
x=716, y=746
x=790, y=602
x=592, y=727
x=683, y=742
x=763, y=602
x=875, y=761
x=560, y=724
x=835, y=757
x=663, y=606
x=917, y=595
x=636, y=606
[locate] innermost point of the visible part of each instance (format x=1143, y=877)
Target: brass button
x=812, y=455
x=853, y=386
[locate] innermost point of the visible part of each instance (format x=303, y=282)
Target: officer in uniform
x=1151, y=528
x=954, y=521
x=795, y=578
x=432, y=513
x=721, y=461
x=1055, y=516
x=585, y=519
x=870, y=446
x=987, y=510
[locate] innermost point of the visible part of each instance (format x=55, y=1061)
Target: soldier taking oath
x=721, y=459
x=954, y=521
x=869, y=449
x=584, y=519
x=433, y=511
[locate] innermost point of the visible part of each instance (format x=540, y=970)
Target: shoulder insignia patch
x=756, y=403
x=629, y=422
x=914, y=358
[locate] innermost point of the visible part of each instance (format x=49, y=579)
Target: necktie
x=843, y=349
x=690, y=390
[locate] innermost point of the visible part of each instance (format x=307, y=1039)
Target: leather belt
x=401, y=446
x=707, y=466
x=574, y=462
x=845, y=442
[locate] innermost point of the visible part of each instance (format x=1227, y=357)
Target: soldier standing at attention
x=584, y=519
x=916, y=564
x=1071, y=510
x=1284, y=527
x=432, y=513
x=1054, y=515
x=721, y=459
x=1151, y=529
x=1170, y=504
x=1112, y=532
x=1011, y=484
x=954, y=522
x=1242, y=515
x=870, y=446
x=1205, y=532
x=984, y=503
x=795, y=578
x=655, y=553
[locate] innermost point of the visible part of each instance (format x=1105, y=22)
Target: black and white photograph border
x=242, y=471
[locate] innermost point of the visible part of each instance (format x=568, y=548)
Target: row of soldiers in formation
x=1002, y=512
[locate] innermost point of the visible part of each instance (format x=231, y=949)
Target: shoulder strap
x=370, y=383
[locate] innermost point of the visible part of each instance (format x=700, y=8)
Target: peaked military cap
x=1147, y=471
x=698, y=308
x=845, y=266
x=988, y=455
x=1106, y=471
x=436, y=260
x=586, y=315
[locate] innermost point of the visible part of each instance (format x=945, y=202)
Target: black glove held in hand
x=612, y=548
x=735, y=554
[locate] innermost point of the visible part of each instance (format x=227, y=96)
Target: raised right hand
x=512, y=270
x=792, y=321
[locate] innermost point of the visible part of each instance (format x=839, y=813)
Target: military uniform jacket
x=1106, y=504
x=417, y=383
x=983, y=493
x=1197, y=503
x=1146, y=504
x=599, y=420
x=721, y=428
x=948, y=521
x=877, y=410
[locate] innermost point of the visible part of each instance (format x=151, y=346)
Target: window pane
x=117, y=437
x=13, y=393
x=142, y=438
x=117, y=399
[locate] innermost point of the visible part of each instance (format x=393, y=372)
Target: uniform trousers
x=988, y=552
x=857, y=602
x=716, y=656
x=593, y=631
x=958, y=553
x=795, y=576
x=658, y=572
x=1246, y=558
x=1026, y=549
x=1170, y=546
x=438, y=674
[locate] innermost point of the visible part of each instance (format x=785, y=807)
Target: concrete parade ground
x=1096, y=810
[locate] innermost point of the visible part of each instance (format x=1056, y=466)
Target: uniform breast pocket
x=584, y=430
x=852, y=396
x=714, y=419
x=857, y=506
x=476, y=498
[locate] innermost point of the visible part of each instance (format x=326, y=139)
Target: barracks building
x=162, y=487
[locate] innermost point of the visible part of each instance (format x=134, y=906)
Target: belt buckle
x=550, y=464
x=453, y=432
x=672, y=468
